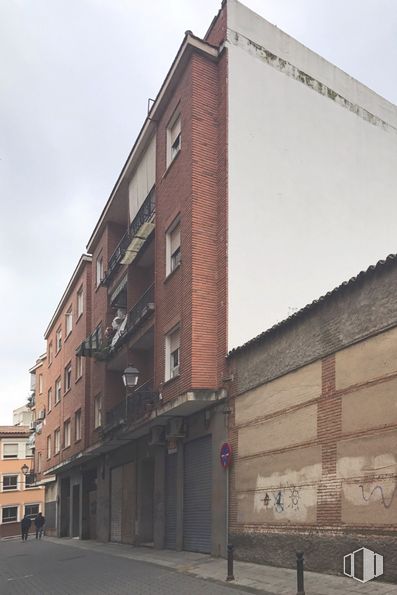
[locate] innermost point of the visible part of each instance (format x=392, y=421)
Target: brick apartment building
x=242, y=142
x=18, y=493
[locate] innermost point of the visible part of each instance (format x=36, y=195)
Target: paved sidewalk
x=265, y=579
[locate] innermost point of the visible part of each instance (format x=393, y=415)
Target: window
x=29, y=450
x=172, y=347
x=173, y=247
x=58, y=389
x=57, y=441
x=48, y=447
x=49, y=400
x=68, y=321
x=31, y=510
x=10, y=451
x=29, y=481
x=79, y=367
x=39, y=462
x=10, y=483
x=9, y=514
x=40, y=384
x=66, y=434
x=68, y=377
x=98, y=411
x=50, y=353
x=80, y=302
x=77, y=425
x=99, y=271
x=58, y=342
x=173, y=137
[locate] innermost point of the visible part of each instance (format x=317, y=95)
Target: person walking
x=39, y=524
x=25, y=526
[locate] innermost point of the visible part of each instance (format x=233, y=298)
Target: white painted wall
x=312, y=175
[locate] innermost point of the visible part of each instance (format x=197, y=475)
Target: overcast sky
x=75, y=76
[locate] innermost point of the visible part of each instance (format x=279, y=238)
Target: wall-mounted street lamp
x=130, y=380
x=130, y=377
x=25, y=469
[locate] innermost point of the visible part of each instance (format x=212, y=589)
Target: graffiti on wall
x=380, y=493
x=282, y=498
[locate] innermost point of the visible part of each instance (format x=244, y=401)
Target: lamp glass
x=130, y=377
x=25, y=469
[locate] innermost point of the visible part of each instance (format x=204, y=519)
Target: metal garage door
x=197, y=496
x=116, y=491
x=170, y=502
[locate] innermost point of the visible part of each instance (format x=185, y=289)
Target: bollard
x=230, y=550
x=299, y=576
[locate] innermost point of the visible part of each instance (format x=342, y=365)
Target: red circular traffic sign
x=226, y=455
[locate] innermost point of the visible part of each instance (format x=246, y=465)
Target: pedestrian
x=39, y=524
x=25, y=526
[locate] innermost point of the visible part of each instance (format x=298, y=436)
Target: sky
x=75, y=78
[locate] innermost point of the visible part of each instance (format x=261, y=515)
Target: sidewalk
x=256, y=577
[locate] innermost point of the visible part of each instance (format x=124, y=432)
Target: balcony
x=136, y=407
x=104, y=349
x=133, y=240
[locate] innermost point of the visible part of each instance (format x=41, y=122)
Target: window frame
x=57, y=441
x=99, y=270
x=68, y=321
x=12, y=457
x=98, y=411
x=173, y=258
x=79, y=367
x=174, y=137
x=77, y=416
x=67, y=433
x=58, y=340
x=171, y=370
x=67, y=378
x=16, y=520
x=50, y=352
x=58, y=384
x=49, y=399
x=49, y=447
x=12, y=488
x=31, y=515
x=80, y=302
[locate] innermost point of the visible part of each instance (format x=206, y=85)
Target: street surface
x=46, y=568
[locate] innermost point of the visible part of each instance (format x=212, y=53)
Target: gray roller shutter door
x=170, y=502
x=197, y=517
x=116, y=492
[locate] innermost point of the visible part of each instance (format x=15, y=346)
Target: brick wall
x=315, y=465
x=76, y=397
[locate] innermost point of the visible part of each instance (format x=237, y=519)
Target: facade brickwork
x=329, y=485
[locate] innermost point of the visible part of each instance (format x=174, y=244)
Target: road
x=46, y=568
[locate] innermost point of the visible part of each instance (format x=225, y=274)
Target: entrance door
x=146, y=490
x=116, y=494
x=76, y=511
x=65, y=507
x=170, y=501
x=197, y=516
x=92, y=514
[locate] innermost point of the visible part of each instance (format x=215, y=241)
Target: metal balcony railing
x=142, y=309
x=136, y=407
x=139, y=230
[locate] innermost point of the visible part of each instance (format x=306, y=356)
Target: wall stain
x=299, y=75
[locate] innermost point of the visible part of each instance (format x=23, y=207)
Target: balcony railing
x=142, y=309
x=135, y=408
x=133, y=240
